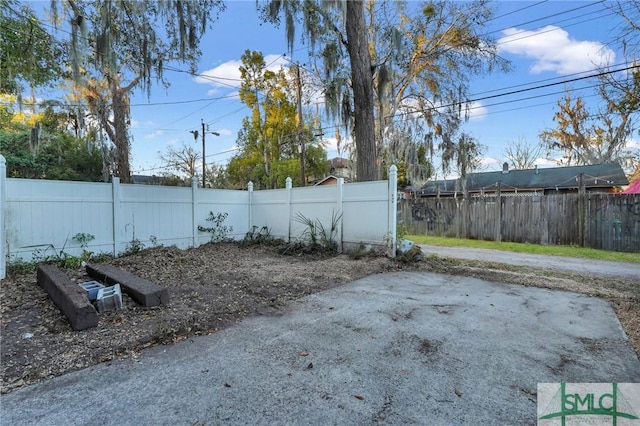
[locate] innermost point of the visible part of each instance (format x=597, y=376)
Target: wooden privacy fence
x=602, y=221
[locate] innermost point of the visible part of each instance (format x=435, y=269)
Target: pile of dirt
x=216, y=285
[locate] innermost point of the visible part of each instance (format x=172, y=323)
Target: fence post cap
x=289, y=182
x=2, y=159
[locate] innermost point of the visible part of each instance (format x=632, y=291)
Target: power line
x=548, y=79
x=517, y=10
x=547, y=17
x=453, y=104
x=189, y=101
x=528, y=98
x=535, y=34
x=177, y=163
x=524, y=107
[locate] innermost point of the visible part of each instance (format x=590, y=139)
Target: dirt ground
x=217, y=285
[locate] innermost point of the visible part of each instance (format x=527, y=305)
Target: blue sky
x=544, y=40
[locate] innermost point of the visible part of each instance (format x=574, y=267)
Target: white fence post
x=250, y=204
x=340, y=207
x=393, y=209
x=194, y=202
x=117, y=211
x=194, y=219
x=289, y=185
x=3, y=200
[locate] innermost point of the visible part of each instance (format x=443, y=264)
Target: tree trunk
x=362, y=82
x=121, y=136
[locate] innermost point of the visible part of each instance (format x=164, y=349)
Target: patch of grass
x=567, y=251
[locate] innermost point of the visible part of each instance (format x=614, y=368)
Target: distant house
x=607, y=177
x=329, y=180
x=147, y=180
x=340, y=167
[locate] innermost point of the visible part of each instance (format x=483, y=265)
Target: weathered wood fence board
x=609, y=221
x=613, y=222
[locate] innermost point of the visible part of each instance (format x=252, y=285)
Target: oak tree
x=29, y=54
x=418, y=61
x=119, y=46
x=339, y=26
x=583, y=136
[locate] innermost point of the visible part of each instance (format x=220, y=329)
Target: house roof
x=595, y=176
x=331, y=179
x=339, y=163
x=145, y=179
x=634, y=188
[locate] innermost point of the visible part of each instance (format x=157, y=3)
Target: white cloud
x=136, y=124
x=632, y=144
x=490, y=163
x=227, y=75
x=553, y=50
x=331, y=147
x=545, y=162
x=154, y=135
x=224, y=132
x=477, y=111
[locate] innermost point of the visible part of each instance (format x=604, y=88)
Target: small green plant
x=316, y=235
x=134, y=246
x=47, y=254
x=154, y=241
x=218, y=231
x=19, y=267
x=60, y=258
x=258, y=236
x=83, y=240
x=401, y=231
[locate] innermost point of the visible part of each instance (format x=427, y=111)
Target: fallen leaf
x=360, y=397
x=303, y=353
x=227, y=385
x=457, y=392
x=310, y=366
x=331, y=307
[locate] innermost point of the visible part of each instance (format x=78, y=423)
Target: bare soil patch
x=216, y=285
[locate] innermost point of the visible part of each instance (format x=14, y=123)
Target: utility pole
x=300, y=138
x=204, y=155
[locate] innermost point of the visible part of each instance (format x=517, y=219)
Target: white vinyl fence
x=41, y=218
